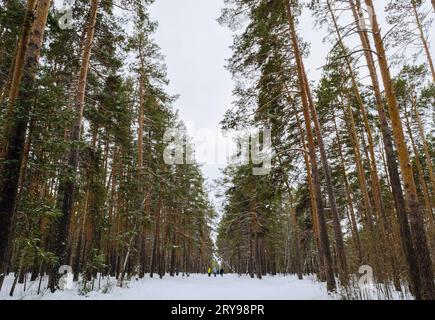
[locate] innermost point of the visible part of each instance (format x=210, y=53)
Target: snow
x=194, y=287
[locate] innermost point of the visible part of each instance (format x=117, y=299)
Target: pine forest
x=348, y=198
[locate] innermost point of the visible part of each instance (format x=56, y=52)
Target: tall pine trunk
x=349, y=197
x=324, y=240
x=375, y=180
x=427, y=155
x=314, y=216
x=20, y=54
x=16, y=135
x=393, y=170
x=324, y=160
x=420, y=171
x=423, y=40
x=296, y=238
x=416, y=218
x=69, y=186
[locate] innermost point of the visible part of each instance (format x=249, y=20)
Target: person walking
x=222, y=272
x=209, y=272
x=215, y=271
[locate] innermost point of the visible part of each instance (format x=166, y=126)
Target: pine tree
x=24, y=72
x=416, y=219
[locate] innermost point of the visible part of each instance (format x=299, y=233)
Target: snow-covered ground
x=195, y=287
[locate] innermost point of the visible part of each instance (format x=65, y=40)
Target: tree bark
x=420, y=171
x=344, y=274
x=155, y=258
x=349, y=197
x=294, y=221
x=427, y=155
x=393, y=171
x=69, y=187
x=17, y=134
x=324, y=241
x=375, y=181
x=423, y=39
x=416, y=218
x=314, y=215
x=20, y=54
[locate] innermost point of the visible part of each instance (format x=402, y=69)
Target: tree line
x=83, y=112
x=352, y=182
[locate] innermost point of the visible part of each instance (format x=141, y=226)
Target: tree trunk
x=427, y=155
x=385, y=228
x=416, y=218
x=375, y=181
x=349, y=197
x=174, y=241
x=420, y=172
x=324, y=160
x=344, y=272
x=314, y=215
x=294, y=221
x=393, y=171
x=251, y=259
x=155, y=258
x=359, y=165
x=258, y=264
x=324, y=241
x=423, y=39
x=140, y=119
x=69, y=187
x=20, y=54
x=17, y=133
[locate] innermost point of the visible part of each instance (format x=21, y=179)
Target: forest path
x=228, y=287
x=194, y=287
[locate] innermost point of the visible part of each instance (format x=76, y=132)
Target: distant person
x=222, y=272
x=209, y=272
x=215, y=271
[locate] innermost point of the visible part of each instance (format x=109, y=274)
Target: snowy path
x=200, y=287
